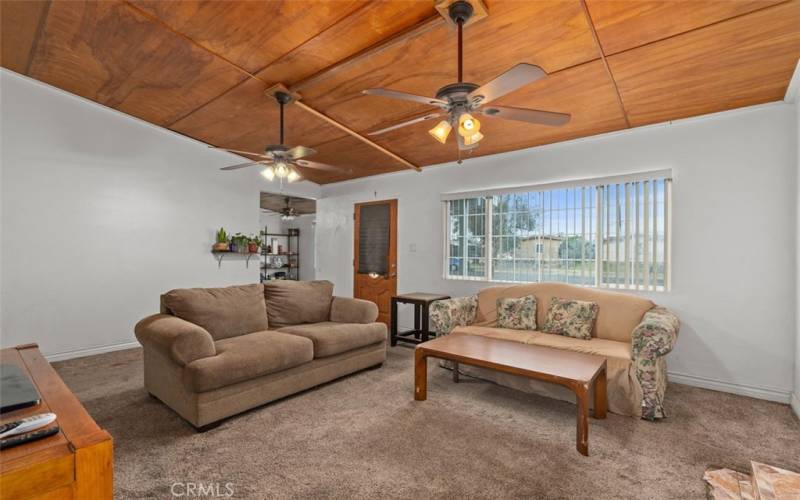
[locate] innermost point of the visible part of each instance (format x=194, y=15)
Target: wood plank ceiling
x=201, y=68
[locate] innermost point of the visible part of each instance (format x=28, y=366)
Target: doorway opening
x=287, y=231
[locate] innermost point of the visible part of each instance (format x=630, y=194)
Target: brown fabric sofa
x=215, y=352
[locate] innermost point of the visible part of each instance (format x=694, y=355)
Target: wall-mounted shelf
x=221, y=255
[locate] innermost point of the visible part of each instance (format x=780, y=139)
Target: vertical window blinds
x=611, y=232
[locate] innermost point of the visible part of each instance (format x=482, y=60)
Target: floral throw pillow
x=519, y=314
x=572, y=318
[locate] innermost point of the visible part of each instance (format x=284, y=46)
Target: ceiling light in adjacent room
x=441, y=131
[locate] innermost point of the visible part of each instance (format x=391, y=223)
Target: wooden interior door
x=375, y=262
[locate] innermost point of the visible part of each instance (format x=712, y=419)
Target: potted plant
x=239, y=243
x=253, y=243
x=222, y=241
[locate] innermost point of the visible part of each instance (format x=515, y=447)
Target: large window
x=609, y=233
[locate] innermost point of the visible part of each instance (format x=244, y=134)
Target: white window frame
x=602, y=247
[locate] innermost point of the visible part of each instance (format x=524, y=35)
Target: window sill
x=660, y=289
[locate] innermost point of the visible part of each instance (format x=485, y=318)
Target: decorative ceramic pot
x=220, y=247
x=252, y=247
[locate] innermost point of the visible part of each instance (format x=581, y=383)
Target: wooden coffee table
x=574, y=370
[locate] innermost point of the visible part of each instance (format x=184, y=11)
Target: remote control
x=31, y=436
x=26, y=424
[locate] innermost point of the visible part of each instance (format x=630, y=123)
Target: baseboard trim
x=79, y=353
x=795, y=404
x=767, y=393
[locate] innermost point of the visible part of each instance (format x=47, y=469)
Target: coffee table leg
x=455, y=372
x=582, y=438
x=420, y=375
x=600, y=403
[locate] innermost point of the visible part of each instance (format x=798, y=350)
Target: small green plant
x=255, y=240
x=222, y=236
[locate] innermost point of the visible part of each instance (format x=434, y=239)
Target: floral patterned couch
x=632, y=333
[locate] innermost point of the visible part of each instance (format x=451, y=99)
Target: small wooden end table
x=422, y=302
x=577, y=371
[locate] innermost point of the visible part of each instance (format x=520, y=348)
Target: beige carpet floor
x=365, y=437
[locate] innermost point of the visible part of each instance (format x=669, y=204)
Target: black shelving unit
x=284, y=260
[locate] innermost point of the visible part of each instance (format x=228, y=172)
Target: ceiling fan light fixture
x=293, y=175
x=468, y=125
x=281, y=170
x=268, y=173
x=475, y=138
x=441, y=131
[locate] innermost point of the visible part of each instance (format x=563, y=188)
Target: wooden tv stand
x=75, y=463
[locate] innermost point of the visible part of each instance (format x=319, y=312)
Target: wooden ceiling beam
x=344, y=128
x=416, y=30
x=605, y=62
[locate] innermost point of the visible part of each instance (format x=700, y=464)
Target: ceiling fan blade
x=406, y=123
x=518, y=76
x=300, y=152
x=321, y=166
x=405, y=96
x=528, y=115
x=240, y=152
x=244, y=165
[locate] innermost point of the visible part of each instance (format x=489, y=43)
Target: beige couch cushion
x=297, y=302
x=246, y=357
x=617, y=316
x=334, y=338
x=223, y=312
x=624, y=391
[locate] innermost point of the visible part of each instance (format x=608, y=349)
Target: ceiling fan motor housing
x=456, y=94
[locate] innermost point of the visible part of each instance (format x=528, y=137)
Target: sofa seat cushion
x=624, y=391
x=521, y=336
x=223, y=312
x=331, y=338
x=246, y=357
x=600, y=347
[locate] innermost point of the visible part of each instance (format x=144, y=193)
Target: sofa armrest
x=347, y=310
x=180, y=340
x=447, y=314
x=652, y=339
x=655, y=336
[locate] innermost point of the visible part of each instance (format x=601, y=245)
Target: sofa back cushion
x=224, y=312
x=296, y=302
x=617, y=315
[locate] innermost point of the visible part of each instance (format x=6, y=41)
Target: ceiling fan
x=458, y=100
x=280, y=161
x=288, y=212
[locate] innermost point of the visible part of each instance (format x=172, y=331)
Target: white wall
x=101, y=213
x=796, y=395
x=734, y=197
